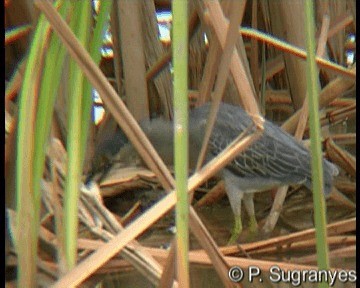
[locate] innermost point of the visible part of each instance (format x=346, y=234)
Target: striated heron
x=275, y=159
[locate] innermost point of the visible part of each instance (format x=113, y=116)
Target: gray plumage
x=275, y=159
x=105, y=152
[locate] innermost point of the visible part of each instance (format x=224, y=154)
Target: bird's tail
x=332, y=168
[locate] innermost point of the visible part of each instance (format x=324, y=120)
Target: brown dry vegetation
x=140, y=74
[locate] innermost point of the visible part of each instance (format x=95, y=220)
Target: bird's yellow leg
x=249, y=206
x=236, y=231
x=253, y=226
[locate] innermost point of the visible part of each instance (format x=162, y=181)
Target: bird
x=274, y=160
x=104, y=153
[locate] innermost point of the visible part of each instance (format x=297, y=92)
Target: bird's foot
x=253, y=231
x=253, y=226
x=236, y=231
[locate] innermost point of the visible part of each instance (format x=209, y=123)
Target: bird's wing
x=269, y=157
